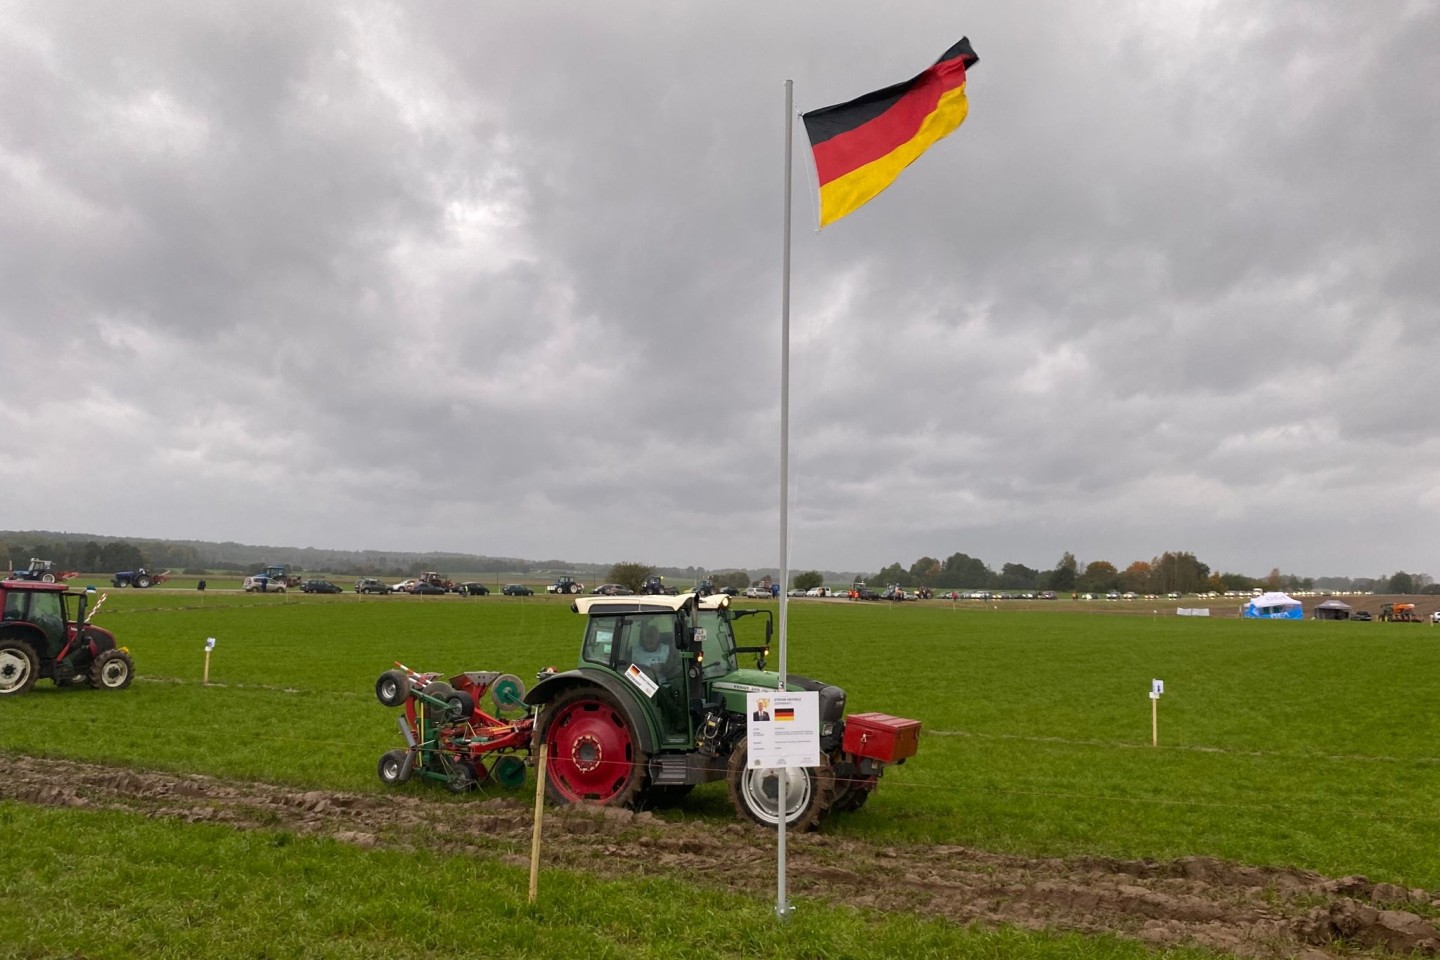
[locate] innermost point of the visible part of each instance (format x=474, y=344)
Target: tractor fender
x=625, y=695
x=97, y=639
x=31, y=634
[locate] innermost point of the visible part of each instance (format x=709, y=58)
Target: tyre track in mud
x=1261, y=912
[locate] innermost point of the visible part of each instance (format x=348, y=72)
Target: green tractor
x=657, y=704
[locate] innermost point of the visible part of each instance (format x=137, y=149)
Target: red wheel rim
x=591, y=751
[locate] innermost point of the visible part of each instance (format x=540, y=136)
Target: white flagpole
x=782, y=906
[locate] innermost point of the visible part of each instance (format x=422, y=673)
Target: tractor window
x=47, y=614
x=652, y=645
x=14, y=606
x=600, y=637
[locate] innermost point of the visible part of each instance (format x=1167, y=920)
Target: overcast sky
x=505, y=279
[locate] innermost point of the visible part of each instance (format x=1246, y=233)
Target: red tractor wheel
x=18, y=667
x=755, y=791
x=594, y=752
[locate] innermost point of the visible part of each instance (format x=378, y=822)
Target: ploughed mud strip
x=1248, y=911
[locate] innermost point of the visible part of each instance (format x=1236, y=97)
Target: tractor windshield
x=719, y=644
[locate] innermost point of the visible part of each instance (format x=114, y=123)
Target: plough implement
x=471, y=729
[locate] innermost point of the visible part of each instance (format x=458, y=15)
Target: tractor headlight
x=827, y=729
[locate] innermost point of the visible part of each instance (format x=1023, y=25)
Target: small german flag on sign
x=861, y=146
x=784, y=714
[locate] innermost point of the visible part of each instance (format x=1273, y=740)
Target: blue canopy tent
x=1273, y=606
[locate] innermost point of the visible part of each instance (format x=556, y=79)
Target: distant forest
x=1171, y=571
x=90, y=553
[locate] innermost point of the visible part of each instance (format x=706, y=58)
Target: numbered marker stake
x=209, y=645
x=1157, y=687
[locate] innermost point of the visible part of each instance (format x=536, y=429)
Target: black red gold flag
x=861, y=146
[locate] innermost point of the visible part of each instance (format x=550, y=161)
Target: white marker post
x=1157, y=687
x=209, y=645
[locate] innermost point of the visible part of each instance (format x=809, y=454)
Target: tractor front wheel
x=18, y=667
x=142, y=581
x=850, y=795
x=755, y=791
x=112, y=670
x=594, y=752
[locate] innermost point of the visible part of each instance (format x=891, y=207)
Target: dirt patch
x=1249, y=911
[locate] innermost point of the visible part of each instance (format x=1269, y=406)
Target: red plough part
x=450, y=736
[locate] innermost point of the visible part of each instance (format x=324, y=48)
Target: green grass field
x=1299, y=743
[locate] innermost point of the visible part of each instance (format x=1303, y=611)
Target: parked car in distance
x=517, y=590
x=370, y=585
x=403, y=586
x=425, y=588
x=757, y=593
x=730, y=591
x=263, y=584
x=473, y=589
x=1362, y=615
x=1435, y=617
x=319, y=586
x=612, y=590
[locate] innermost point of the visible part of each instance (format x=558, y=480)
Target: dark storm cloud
x=507, y=280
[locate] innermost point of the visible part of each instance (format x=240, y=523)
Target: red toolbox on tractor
x=881, y=736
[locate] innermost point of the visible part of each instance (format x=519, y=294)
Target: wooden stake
x=1154, y=721
x=206, y=678
x=539, y=815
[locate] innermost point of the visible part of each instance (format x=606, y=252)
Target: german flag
x=860, y=147
x=784, y=714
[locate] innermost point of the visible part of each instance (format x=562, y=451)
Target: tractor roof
x=641, y=604
x=35, y=585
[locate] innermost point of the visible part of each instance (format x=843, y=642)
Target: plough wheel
x=594, y=753
x=393, y=688
x=755, y=791
x=462, y=776
x=509, y=772
x=508, y=695
x=391, y=768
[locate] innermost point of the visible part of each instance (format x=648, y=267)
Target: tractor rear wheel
x=594, y=752
x=142, y=581
x=18, y=667
x=112, y=670
x=755, y=791
x=393, y=688
x=391, y=768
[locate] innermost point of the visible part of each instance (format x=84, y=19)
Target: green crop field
x=1289, y=743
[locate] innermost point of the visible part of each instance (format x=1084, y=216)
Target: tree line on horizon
x=1172, y=571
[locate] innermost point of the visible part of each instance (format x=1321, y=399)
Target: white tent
x=1273, y=606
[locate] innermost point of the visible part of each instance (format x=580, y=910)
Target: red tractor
x=438, y=580
x=39, y=638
